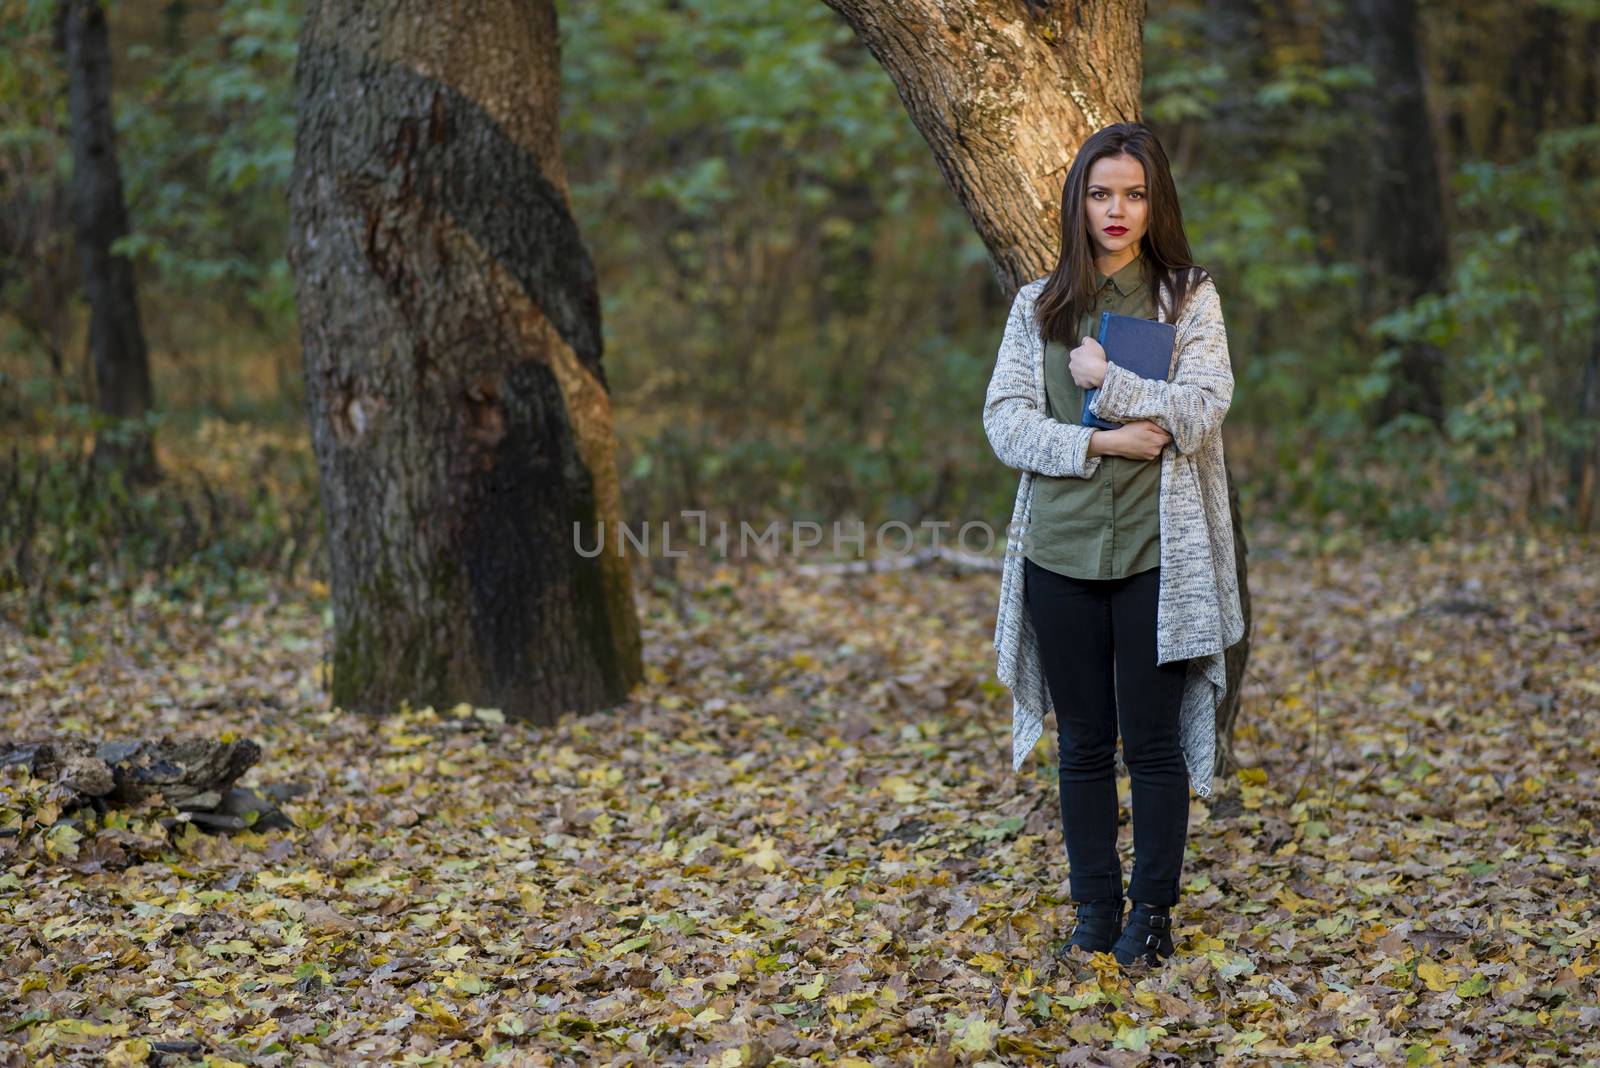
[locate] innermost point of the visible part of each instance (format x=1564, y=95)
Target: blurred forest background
x=799, y=320
x=800, y=835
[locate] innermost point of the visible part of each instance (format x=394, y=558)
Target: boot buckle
x=1151, y=940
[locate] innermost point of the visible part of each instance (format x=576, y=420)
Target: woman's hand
x=1087, y=363
x=1140, y=439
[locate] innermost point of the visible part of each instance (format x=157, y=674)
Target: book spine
x=1090, y=394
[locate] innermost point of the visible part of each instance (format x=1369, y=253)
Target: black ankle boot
x=1098, y=924
x=1147, y=937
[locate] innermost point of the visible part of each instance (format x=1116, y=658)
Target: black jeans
x=1087, y=628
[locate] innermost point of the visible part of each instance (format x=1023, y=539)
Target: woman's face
x=1116, y=204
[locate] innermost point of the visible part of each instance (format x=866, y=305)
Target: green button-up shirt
x=1109, y=524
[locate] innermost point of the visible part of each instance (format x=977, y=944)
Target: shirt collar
x=1124, y=279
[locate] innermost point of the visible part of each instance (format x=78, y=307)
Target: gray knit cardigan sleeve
x=1022, y=435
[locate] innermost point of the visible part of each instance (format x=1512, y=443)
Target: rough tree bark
x=1004, y=92
x=100, y=216
x=450, y=327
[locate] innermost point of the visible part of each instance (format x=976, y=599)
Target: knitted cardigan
x=1198, y=610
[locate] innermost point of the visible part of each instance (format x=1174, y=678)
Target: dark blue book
x=1143, y=346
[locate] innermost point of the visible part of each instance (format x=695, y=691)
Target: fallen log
x=194, y=775
x=957, y=560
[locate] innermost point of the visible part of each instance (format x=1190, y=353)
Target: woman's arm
x=1021, y=435
x=1190, y=407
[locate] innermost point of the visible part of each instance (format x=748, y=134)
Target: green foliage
x=1514, y=322
x=235, y=502
x=204, y=121
x=763, y=213
x=36, y=275
x=206, y=143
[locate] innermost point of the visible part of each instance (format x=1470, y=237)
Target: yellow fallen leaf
x=1433, y=974
x=90, y=1029
x=439, y=1014
x=975, y=1034
x=129, y=1053
x=1136, y=1037
x=810, y=991
x=901, y=789
x=765, y=855
x=61, y=842
x=463, y=984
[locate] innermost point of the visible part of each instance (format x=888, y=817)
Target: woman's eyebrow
x=1097, y=185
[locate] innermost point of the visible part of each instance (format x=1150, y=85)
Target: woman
x=1119, y=592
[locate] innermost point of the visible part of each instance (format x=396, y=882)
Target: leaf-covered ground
x=800, y=841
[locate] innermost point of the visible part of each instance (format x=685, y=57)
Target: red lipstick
x=1116, y=231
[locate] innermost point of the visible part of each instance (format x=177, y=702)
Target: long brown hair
x=1164, y=249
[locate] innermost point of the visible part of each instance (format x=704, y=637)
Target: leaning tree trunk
x=1004, y=93
x=100, y=217
x=450, y=327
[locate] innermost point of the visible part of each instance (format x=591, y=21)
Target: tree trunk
x=1405, y=243
x=1004, y=94
x=1531, y=100
x=450, y=328
x=100, y=216
x=1583, y=462
x=1409, y=195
